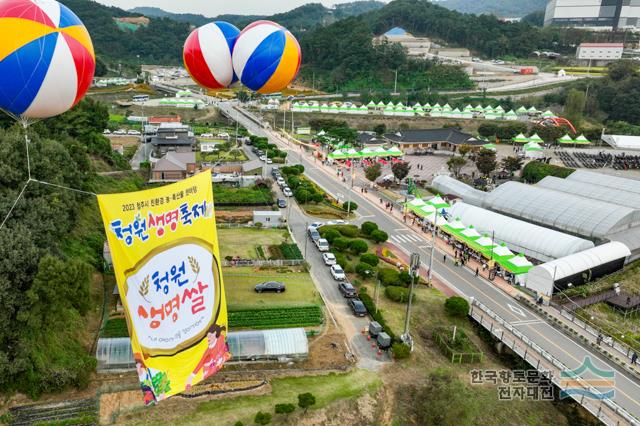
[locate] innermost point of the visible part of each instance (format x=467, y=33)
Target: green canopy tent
x=490, y=147
x=367, y=153
x=380, y=152
x=533, y=111
x=337, y=155
x=438, y=220
x=566, y=140
x=425, y=211
x=395, y=152
x=469, y=234
x=438, y=202
x=535, y=138
x=427, y=106
x=511, y=115
x=484, y=244
x=499, y=109
x=455, y=226
x=415, y=204
x=548, y=114
x=381, y=105
x=502, y=253
x=371, y=105
x=478, y=108
x=446, y=107
x=582, y=140
x=522, y=110
x=518, y=264
x=352, y=153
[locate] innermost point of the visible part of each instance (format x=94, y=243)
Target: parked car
x=206, y=135
x=275, y=286
x=282, y=203
x=347, y=290
x=316, y=224
x=322, y=244
x=120, y=132
x=338, y=273
x=263, y=158
x=287, y=192
x=337, y=222
x=106, y=132
x=357, y=307
x=269, y=161
x=313, y=233
x=329, y=259
x=133, y=133
x=383, y=340
x=280, y=181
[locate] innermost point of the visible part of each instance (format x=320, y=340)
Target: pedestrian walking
x=634, y=358
x=444, y=258
x=380, y=200
x=599, y=339
x=477, y=271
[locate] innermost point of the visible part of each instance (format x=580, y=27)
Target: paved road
x=563, y=348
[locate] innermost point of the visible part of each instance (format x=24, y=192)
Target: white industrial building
x=602, y=14
x=577, y=269
x=599, y=54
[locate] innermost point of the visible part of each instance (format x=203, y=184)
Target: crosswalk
x=406, y=238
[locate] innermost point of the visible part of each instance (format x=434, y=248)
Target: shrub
x=340, y=259
x=350, y=231
x=397, y=294
x=456, y=306
x=400, y=350
x=349, y=269
x=369, y=258
x=379, y=236
x=405, y=278
x=340, y=244
x=364, y=269
x=330, y=235
x=377, y=316
x=284, y=408
x=535, y=171
x=258, y=225
x=368, y=227
x=350, y=206
x=238, y=423
x=292, y=170
x=388, y=276
x=262, y=418
x=306, y=400
x=358, y=246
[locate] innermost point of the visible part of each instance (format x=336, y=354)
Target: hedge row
x=300, y=316
x=377, y=316
x=535, y=171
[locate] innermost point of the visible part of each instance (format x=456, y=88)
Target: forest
x=50, y=247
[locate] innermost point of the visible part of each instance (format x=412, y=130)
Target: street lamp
x=414, y=266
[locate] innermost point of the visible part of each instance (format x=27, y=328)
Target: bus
x=140, y=98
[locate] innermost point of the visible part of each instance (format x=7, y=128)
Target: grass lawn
x=326, y=211
x=221, y=156
x=243, y=241
x=326, y=389
x=240, y=282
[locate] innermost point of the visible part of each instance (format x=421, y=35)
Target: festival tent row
x=568, y=140
x=342, y=154
x=429, y=210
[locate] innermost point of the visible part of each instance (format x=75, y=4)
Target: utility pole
x=306, y=238
x=433, y=248
x=395, y=83
x=414, y=267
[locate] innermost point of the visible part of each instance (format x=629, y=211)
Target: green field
x=240, y=283
x=243, y=241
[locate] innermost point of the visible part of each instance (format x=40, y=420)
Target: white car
x=281, y=182
x=120, y=132
x=206, y=135
x=322, y=244
x=133, y=133
x=287, y=192
x=106, y=132
x=316, y=224
x=263, y=158
x=337, y=222
x=329, y=259
x=338, y=273
x=269, y=161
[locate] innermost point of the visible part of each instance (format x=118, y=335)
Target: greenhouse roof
x=626, y=184
x=593, y=191
x=450, y=186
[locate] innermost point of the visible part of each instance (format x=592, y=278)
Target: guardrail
x=273, y=263
x=604, y=410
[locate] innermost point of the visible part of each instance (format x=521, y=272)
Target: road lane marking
x=527, y=322
x=517, y=310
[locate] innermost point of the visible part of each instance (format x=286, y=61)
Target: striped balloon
x=266, y=57
x=207, y=54
x=46, y=58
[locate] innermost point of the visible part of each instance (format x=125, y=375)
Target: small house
x=268, y=218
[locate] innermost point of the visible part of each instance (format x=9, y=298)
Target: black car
x=357, y=307
x=282, y=203
x=347, y=290
x=275, y=286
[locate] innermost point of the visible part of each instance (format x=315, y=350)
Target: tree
x=340, y=244
x=397, y=294
x=358, y=246
x=456, y=306
x=455, y=164
x=511, y=164
x=388, y=276
x=486, y=161
x=487, y=129
x=621, y=70
x=574, y=106
x=379, y=236
x=306, y=400
x=368, y=227
x=370, y=258
x=401, y=170
x=380, y=129
x=262, y=418
x=349, y=206
x=400, y=350
x=364, y=269
x=465, y=149
x=330, y=235
x=372, y=173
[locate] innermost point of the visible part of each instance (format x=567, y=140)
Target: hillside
x=502, y=8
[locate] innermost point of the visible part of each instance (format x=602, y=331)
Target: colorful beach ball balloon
x=207, y=54
x=47, y=60
x=266, y=57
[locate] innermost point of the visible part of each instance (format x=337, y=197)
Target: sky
x=218, y=7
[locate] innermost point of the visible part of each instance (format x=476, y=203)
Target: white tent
x=485, y=241
x=457, y=224
x=471, y=232
x=441, y=221
x=416, y=202
x=426, y=210
x=502, y=251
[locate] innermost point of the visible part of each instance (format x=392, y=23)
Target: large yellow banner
x=165, y=255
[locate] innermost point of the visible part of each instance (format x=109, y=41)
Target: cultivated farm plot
x=240, y=289
x=243, y=241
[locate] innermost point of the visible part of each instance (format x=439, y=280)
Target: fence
x=605, y=410
x=582, y=302
x=260, y=263
x=455, y=356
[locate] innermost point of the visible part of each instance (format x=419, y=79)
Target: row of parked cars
x=122, y=132
x=275, y=172
x=262, y=155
